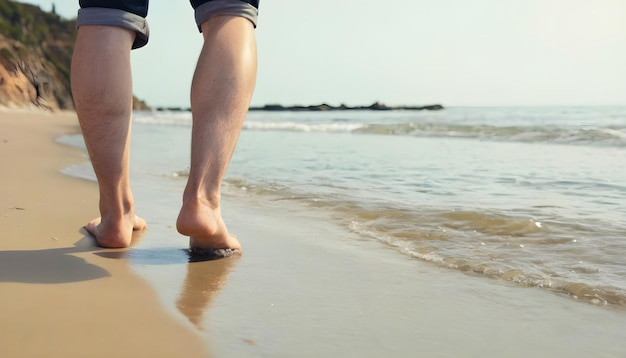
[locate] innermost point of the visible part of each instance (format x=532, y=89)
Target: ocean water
x=532, y=195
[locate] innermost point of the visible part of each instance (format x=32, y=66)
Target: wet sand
x=58, y=297
x=304, y=287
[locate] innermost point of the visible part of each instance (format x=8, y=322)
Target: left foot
x=115, y=234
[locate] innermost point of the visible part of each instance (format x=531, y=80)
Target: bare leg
x=220, y=96
x=102, y=89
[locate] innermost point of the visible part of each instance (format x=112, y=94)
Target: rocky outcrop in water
x=376, y=106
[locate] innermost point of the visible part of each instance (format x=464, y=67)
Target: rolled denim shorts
x=131, y=14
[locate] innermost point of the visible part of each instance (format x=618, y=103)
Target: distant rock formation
x=140, y=105
x=35, y=56
x=376, y=106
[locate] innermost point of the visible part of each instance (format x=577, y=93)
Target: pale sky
x=453, y=52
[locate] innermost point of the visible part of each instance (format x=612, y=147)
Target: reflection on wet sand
x=205, y=276
x=203, y=282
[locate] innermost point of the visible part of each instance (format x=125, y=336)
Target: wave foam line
x=603, y=296
x=301, y=127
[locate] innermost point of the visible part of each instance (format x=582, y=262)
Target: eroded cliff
x=35, y=55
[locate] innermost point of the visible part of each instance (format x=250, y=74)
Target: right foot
x=115, y=234
x=205, y=227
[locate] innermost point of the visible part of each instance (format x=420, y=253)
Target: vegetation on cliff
x=35, y=56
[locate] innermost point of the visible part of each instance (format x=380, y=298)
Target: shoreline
x=59, y=297
x=304, y=286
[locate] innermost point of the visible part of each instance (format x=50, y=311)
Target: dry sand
x=57, y=298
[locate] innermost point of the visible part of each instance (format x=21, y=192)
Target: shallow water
x=535, y=196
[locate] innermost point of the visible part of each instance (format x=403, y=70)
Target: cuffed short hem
x=226, y=7
x=115, y=17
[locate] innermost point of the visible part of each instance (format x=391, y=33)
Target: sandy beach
x=57, y=298
x=304, y=287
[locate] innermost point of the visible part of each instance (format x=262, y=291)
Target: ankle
x=117, y=207
x=201, y=200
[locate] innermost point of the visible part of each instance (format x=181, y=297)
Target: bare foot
x=205, y=228
x=112, y=234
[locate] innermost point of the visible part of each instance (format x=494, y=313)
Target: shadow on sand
x=50, y=266
x=203, y=281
